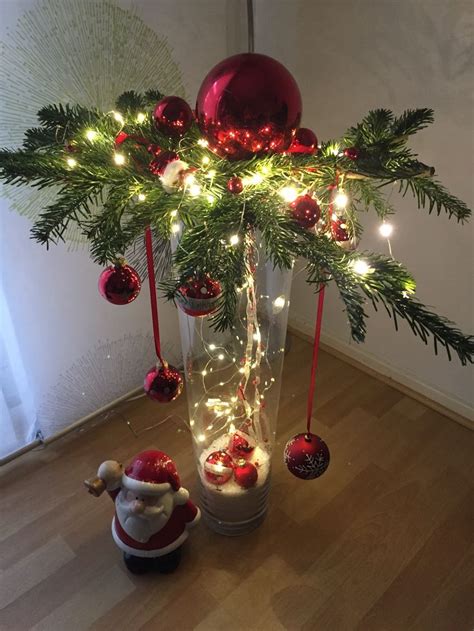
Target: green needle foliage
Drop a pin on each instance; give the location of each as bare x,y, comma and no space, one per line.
74,149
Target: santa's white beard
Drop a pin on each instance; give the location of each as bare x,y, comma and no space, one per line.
141,526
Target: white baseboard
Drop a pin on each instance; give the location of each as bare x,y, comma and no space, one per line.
399,378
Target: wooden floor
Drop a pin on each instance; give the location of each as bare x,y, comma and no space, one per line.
382,542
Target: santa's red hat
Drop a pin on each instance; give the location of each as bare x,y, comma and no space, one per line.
152,472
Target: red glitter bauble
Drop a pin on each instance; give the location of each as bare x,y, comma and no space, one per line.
218,467
352,153
245,474
163,384
173,116
199,295
161,160
119,284
340,234
306,456
248,104
239,446
235,185
306,211
305,141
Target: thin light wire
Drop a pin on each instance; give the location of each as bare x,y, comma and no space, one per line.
250,27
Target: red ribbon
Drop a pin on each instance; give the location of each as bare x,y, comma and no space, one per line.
152,284
319,321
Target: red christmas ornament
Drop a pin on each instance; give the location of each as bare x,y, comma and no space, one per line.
119,284
161,160
245,474
199,295
163,384
304,142
248,104
341,235
173,116
352,153
153,149
306,456
306,211
139,141
218,467
239,446
235,185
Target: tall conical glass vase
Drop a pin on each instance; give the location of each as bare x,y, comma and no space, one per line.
233,382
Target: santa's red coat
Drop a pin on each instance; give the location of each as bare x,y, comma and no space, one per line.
171,536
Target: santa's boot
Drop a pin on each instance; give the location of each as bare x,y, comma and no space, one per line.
138,565
168,562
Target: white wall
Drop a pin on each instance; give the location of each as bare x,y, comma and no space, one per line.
349,57
80,352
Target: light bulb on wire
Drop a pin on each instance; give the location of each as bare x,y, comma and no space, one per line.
340,200
386,230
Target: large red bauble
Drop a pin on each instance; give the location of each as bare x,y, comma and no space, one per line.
199,295
304,142
240,447
173,116
163,384
306,211
119,284
218,467
306,456
245,474
248,104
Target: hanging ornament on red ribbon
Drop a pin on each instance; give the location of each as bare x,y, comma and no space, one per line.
306,456
352,153
162,383
248,104
199,295
119,284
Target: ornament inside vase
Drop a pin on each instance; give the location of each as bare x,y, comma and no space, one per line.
199,295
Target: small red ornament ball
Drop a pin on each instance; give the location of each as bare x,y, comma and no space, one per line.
245,474
304,142
199,295
247,105
119,284
173,116
352,153
306,456
306,211
235,185
239,446
163,384
218,467
161,160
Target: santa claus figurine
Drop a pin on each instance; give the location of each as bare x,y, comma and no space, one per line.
153,511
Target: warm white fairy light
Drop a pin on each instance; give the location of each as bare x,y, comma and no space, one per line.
220,356
288,193
234,239
257,337
206,160
278,304
233,399
119,159
173,213
71,162
201,438
191,422
242,370
141,117
341,199
194,190
253,180
386,229
202,142
210,198
141,197
211,174
360,267
204,372
118,117
175,228
212,347
91,135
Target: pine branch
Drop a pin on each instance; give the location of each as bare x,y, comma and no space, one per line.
412,121
433,194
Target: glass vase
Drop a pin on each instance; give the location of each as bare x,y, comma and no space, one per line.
233,381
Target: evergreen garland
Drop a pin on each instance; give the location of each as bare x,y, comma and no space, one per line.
112,204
